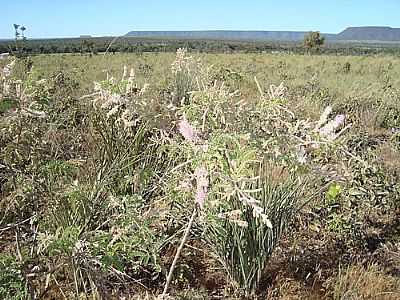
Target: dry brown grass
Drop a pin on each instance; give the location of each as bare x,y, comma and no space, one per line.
389,157
357,283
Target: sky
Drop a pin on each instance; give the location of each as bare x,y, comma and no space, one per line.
70,18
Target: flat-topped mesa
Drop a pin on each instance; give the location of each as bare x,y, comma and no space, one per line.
370,33
364,33
223,35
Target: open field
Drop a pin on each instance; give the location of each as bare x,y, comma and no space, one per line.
288,164
364,76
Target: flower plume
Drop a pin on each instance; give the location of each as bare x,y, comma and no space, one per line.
201,175
188,131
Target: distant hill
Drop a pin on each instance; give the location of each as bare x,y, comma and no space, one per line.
223,35
367,33
370,33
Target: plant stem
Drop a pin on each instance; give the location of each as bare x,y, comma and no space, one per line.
178,252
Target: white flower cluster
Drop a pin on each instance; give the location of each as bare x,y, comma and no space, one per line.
5,73
258,211
119,105
7,69
183,62
277,92
328,129
180,61
234,216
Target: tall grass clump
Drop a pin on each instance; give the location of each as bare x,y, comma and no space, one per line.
244,243
185,71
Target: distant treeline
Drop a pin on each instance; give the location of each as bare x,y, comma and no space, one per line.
140,45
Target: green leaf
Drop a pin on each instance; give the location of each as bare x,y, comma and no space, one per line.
333,192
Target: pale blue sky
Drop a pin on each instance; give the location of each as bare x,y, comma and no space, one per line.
64,18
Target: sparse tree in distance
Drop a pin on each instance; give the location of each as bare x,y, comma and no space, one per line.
19,38
16,26
313,41
23,28
87,46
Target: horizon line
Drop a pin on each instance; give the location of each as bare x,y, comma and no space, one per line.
202,30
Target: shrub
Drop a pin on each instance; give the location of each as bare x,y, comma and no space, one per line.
12,282
313,41
246,211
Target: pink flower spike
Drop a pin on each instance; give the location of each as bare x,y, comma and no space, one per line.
339,120
201,195
187,131
201,175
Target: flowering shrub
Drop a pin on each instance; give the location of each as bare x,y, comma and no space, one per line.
227,144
